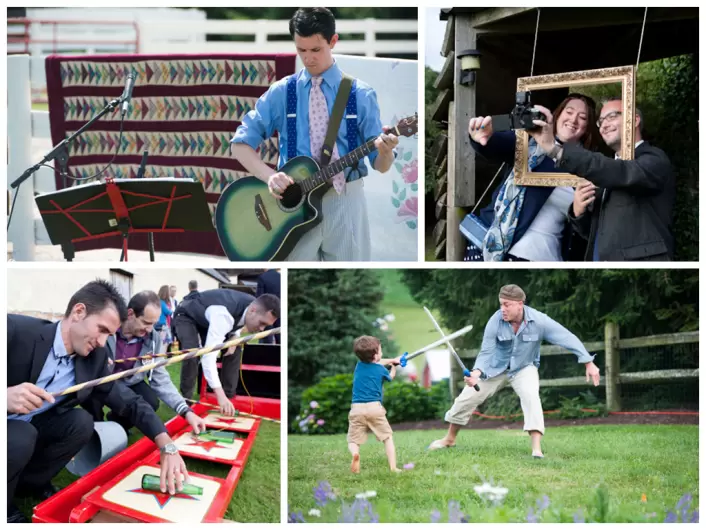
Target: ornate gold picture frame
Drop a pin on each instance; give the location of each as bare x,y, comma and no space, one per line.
625,75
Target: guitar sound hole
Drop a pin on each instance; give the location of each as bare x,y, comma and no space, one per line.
292,197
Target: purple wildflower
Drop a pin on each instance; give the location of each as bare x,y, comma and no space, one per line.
295,517
531,516
455,513
409,466
683,506
671,517
314,405
361,511
542,504
320,422
435,516
323,493
579,518
694,517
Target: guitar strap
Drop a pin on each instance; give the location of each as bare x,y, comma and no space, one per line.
334,121
351,117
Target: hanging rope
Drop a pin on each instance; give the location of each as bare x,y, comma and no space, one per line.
534,49
639,49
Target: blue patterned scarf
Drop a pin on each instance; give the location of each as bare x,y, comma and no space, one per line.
508,205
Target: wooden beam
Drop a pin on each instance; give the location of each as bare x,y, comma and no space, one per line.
440,148
441,186
440,251
488,16
440,206
447,46
439,232
567,381
510,20
660,375
445,78
660,340
612,366
443,167
544,351
440,108
461,156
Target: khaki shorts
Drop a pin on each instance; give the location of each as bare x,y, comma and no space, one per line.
365,417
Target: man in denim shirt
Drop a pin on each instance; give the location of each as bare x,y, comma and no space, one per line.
343,234
510,354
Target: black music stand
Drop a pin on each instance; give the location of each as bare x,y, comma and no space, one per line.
123,207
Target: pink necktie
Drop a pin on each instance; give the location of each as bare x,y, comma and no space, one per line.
318,124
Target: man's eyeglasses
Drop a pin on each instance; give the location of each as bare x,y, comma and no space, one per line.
611,116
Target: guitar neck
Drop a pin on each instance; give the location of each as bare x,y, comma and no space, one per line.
327,173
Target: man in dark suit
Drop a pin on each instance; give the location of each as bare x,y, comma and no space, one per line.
269,282
626,208
45,432
209,318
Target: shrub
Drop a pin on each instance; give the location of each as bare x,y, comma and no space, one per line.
325,406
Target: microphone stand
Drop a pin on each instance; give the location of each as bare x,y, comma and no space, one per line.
61,151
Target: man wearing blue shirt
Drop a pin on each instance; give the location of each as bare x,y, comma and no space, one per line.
343,234
509,354
45,432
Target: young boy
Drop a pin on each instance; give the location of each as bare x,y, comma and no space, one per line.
367,412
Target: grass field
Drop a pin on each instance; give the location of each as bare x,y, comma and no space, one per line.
659,462
257,497
411,328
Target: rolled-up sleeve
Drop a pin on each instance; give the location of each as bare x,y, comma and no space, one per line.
557,334
220,323
369,123
261,122
487,348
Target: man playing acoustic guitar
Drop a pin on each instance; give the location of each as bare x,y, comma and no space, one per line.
343,235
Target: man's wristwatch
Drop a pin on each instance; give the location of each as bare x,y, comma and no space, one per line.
169,449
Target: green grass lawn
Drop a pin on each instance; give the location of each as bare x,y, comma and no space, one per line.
412,328
257,497
658,461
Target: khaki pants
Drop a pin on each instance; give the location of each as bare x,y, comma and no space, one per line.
526,386
365,417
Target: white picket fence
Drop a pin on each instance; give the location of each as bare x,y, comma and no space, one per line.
173,31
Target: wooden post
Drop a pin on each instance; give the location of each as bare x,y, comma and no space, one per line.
612,368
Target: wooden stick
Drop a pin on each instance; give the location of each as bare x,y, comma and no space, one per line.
209,405
154,355
166,362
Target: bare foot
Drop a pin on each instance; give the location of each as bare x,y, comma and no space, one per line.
355,463
395,470
441,444
537,453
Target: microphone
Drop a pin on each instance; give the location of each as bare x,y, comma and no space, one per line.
127,93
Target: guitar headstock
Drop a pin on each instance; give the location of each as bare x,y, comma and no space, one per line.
407,126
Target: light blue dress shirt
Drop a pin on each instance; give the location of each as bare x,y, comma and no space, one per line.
57,374
503,350
270,115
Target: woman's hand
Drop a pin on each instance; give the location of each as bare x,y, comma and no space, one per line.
480,129
544,135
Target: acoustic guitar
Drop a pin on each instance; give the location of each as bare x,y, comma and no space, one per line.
252,225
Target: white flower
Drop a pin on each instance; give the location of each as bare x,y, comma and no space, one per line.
494,494
315,513
390,317
366,494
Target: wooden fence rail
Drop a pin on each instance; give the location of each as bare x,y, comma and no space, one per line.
611,376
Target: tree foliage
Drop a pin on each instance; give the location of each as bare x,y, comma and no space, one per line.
327,310
431,128
642,302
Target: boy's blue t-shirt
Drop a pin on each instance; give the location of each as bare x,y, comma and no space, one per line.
367,382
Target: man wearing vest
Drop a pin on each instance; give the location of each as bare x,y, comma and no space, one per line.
211,317
137,337
298,108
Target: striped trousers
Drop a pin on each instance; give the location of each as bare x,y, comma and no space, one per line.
343,234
